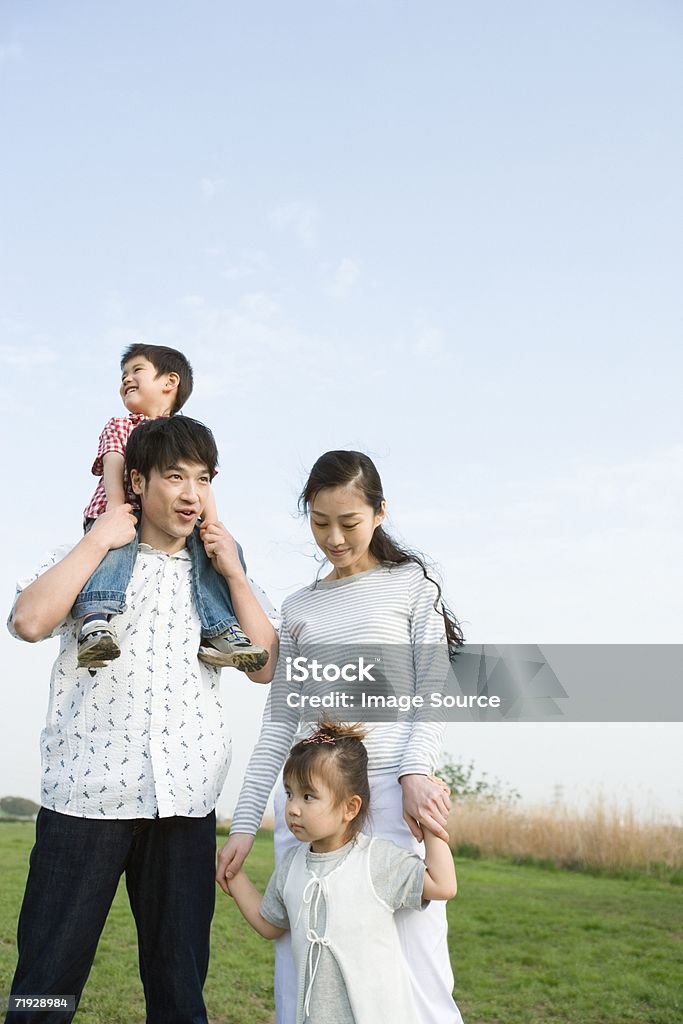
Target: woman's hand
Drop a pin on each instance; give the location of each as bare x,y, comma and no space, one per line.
426,804
231,858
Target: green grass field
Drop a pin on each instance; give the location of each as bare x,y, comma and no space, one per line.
529,946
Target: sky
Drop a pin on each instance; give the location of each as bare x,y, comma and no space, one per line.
446,234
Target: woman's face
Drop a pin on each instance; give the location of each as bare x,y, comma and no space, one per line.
343,524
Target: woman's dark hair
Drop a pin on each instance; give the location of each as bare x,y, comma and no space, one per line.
336,754
341,468
166,441
165,360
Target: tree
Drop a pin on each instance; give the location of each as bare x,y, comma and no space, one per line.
18,807
461,779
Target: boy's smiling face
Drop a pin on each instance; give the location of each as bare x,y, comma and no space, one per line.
144,391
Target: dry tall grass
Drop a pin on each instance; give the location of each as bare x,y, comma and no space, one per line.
601,837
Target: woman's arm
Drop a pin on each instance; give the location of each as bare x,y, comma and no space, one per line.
425,801
268,757
248,899
440,882
426,805
278,728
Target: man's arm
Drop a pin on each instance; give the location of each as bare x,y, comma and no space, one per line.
221,548
48,601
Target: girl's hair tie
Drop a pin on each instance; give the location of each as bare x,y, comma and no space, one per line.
320,737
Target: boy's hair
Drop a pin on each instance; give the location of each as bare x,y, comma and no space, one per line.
337,755
164,442
165,360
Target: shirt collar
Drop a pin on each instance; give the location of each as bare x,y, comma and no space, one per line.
183,554
137,417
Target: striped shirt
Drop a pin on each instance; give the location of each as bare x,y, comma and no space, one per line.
386,605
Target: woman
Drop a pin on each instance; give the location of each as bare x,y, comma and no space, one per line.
377,594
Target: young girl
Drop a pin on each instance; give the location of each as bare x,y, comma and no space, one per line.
337,892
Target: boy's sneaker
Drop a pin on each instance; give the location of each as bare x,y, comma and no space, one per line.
232,649
97,644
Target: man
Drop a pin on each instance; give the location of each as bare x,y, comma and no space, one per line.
135,754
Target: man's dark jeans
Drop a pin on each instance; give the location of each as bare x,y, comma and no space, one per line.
76,865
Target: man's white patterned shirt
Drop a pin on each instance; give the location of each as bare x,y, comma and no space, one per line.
145,735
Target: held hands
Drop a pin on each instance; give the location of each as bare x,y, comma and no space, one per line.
220,547
230,882
114,528
426,804
232,857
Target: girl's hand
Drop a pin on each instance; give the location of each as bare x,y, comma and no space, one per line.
231,881
232,857
426,805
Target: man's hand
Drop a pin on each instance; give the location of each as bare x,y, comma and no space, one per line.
426,804
41,607
232,857
114,528
221,548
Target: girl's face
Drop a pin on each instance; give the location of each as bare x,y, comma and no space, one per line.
314,816
343,524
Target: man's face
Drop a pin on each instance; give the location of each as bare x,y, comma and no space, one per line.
171,501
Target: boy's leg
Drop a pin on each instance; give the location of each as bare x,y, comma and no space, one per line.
75,867
224,644
171,885
103,595
105,591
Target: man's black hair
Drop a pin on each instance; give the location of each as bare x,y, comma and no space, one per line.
165,360
165,442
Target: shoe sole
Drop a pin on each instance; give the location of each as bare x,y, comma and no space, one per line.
103,650
242,662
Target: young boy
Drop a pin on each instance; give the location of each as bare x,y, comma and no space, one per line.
156,381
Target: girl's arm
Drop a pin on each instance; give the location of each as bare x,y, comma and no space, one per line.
440,882
248,899
112,476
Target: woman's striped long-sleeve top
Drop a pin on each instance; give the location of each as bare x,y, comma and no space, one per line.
388,608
